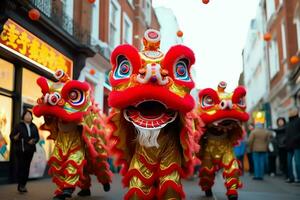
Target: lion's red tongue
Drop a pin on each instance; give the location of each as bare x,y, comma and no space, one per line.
150,115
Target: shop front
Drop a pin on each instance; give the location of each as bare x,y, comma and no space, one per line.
25,54
23,58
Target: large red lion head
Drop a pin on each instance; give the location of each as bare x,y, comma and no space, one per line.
66,99
151,88
221,108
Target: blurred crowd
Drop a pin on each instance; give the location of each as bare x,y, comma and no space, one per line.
274,151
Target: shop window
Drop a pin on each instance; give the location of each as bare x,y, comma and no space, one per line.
5,126
30,90
6,75
30,93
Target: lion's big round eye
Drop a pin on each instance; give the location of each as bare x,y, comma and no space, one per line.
207,101
181,71
76,97
123,70
242,102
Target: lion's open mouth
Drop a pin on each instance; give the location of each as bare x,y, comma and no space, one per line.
150,115
226,122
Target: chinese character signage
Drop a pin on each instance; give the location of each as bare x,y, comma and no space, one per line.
22,41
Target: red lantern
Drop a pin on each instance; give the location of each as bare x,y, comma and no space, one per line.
34,14
179,33
294,60
92,72
205,1
91,1
267,36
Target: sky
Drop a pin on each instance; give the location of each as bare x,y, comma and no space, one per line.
217,34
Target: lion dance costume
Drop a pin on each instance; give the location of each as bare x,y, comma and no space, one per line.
78,129
222,114
152,129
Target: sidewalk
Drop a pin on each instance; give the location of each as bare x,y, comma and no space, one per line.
273,188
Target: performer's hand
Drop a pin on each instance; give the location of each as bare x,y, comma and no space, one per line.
16,137
32,141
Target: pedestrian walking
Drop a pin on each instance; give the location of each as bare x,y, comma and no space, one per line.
293,145
24,137
258,144
272,154
250,128
281,140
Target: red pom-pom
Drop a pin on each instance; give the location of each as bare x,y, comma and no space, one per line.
34,14
91,1
179,33
92,72
267,36
294,60
205,1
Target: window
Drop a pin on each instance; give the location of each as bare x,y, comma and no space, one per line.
43,5
147,12
6,75
273,58
297,22
131,3
114,23
95,22
5,126
30,90
127,29
30,93
270,8
68,8
283,38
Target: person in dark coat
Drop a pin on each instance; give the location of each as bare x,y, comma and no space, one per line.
272,154
280,140
24,137
293,145
249,153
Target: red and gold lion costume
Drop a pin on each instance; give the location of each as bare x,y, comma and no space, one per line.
79,132
222,114
153,132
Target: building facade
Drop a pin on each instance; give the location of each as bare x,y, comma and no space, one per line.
114,22
280,23
255,69
270,76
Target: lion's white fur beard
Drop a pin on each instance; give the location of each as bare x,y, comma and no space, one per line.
147,137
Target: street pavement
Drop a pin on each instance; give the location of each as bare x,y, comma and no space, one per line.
273,188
